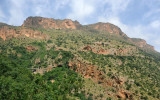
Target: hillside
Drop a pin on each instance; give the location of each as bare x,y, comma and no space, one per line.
47,58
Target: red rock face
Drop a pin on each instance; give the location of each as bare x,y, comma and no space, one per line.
88,48
6,33
108,28
88,71
32,34
68,24
31,48
142,43
48,23
39,22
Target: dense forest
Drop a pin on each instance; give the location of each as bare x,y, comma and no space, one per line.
17,82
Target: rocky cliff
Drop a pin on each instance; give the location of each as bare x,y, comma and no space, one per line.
49,23
141,43
108,27
7,32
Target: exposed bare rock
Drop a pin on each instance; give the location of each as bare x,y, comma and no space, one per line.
88,48
141,43
90,71
7,32
120,80
102,51
49,23
52,81
108,27
111,51
39,22
31,48
124,95
68,24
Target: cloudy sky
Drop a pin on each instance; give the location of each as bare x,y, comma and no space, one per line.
137,18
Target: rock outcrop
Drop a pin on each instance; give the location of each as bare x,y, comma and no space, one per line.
49,23
111,51
7,32
108,27
122,94
31,48
89,71
141,43
88,48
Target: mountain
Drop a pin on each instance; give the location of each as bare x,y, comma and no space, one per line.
47,58
49,23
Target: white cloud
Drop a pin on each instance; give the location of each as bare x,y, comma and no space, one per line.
16,17
155,24
157,42
40,7
60,4
16,12
20,9
117,5
81,9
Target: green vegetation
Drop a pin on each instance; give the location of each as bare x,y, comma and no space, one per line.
17,82
139,69
144,72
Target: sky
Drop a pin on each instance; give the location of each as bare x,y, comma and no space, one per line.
136,18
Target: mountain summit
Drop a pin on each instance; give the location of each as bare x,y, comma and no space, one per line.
49,23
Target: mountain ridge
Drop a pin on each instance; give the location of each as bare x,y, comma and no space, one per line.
50,23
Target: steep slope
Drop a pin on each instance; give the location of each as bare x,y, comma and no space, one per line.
112,29
111,65
142,44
